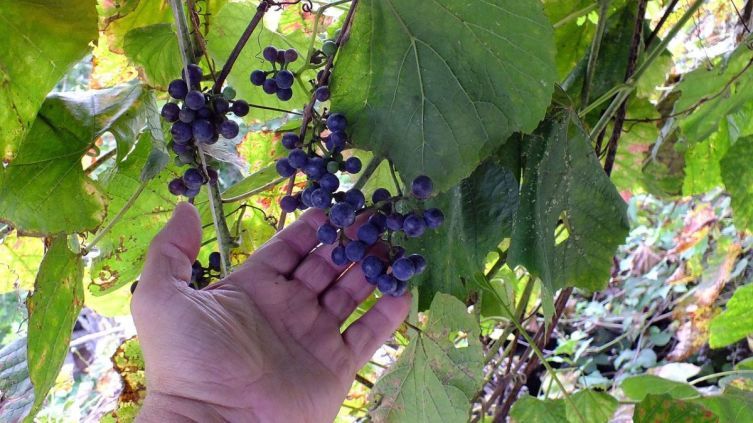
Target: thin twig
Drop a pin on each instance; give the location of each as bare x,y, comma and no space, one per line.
667,13
619,120
228,66
363,381
594,53
131,200
100,161
254,191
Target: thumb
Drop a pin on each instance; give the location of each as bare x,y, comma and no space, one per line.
173,250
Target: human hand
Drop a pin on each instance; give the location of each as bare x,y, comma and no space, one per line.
263,344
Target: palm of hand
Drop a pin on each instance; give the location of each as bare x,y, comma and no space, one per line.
264,344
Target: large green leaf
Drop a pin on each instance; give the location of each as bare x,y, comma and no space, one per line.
733,406
155,48
229,24
574,30
736,321
664,409
703,161
45,190
714,93
53,308
41,41
19,262
638,387
437,86
563,181
590,407
737,175
125,16
479,215
434,379
122,250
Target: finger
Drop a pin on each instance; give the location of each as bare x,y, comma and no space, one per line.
170,255
317,270
370,331
344,296
284,252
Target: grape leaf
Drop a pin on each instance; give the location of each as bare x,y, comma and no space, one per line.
592,407
712,94
438,104
574,32
44,190
53,309
15,385
228,26
433,380
155,48
703,162
735,322
478,215
733,406
19,262
662,408
123,249
638,387
738,179
563,180
41,41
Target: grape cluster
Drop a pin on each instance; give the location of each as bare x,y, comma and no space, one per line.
392,217
276,81
198,117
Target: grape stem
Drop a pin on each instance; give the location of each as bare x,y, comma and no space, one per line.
215,200
308,111
394,178
369,170
254,191
228,66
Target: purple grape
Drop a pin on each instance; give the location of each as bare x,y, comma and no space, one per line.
240,108
400,289
338,256
177,89
336,122
379,195
336,140
194,74
395,222
221,105
386,284
269,86
414,226
353,165
195,100
270,53
192,192
403,269
322,93
214,261
229,129
186,115
258,77
290,140
306,196
419,262
329,182
321,198
204,113
291,55
380,221
315,168
193,178
288,204
368,233
170,111
422,187
355,250
355,198
284,168
203,130
182,148
284,94
433,218
212,174
372,267
281,57
284,79
298,158
342,215
177,187
181,132
327,234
